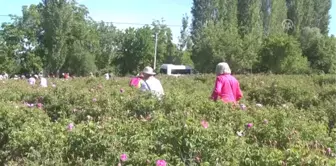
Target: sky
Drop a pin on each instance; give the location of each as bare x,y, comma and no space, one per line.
127,13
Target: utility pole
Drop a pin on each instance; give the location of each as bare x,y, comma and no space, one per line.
155,51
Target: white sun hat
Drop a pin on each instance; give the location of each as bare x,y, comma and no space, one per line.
148,70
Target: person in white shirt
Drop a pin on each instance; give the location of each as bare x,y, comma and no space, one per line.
107,76
5,76
44,82
32,81
150,83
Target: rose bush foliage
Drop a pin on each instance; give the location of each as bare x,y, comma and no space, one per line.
288,120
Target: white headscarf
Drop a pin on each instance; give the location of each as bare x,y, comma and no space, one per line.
223,68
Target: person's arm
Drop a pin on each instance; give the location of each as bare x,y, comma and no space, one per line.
217,89
160,88
143,86
239,93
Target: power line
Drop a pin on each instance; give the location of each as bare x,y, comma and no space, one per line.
120,23
133,23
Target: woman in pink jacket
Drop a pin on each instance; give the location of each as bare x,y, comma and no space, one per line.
227,86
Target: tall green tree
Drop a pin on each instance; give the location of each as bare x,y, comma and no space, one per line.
185,44
278,13
250,27
316,14
82,43
166,49
295,13
185,38
319,49
21,37
57,18
215,34
321,15
109,37
136,51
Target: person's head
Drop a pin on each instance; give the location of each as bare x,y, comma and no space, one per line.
148,72
223,68
140,75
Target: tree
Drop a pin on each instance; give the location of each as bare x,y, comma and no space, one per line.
108,45
251,32
166,49
185,39
214,33
295,10
316,14
281,54
185,44
319,49
278,13
7,63
21,38
137,50
57,17
82,43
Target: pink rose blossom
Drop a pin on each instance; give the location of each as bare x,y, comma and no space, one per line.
205,124
249,125
70,126
39,105
329,150
123,157
161,163
198,159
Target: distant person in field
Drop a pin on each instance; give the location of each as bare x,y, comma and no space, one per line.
107,76
136,81
32,80
65,75
227,86
150,83
91,74
5,76
43,82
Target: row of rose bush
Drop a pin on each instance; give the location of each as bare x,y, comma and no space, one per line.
288,120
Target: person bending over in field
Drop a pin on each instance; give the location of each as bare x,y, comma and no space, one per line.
227,86
136,81
32,80
150,83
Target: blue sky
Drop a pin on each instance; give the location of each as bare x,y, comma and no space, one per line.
133,11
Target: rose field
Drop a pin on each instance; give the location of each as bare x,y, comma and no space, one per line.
288,120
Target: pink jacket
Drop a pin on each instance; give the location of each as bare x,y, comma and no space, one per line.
227,89
135,81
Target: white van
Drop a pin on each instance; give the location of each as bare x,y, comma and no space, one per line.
176,70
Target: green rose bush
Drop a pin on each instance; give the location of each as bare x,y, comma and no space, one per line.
282,120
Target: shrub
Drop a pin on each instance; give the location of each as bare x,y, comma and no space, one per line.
89,121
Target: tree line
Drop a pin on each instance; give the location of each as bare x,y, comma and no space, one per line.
278,36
